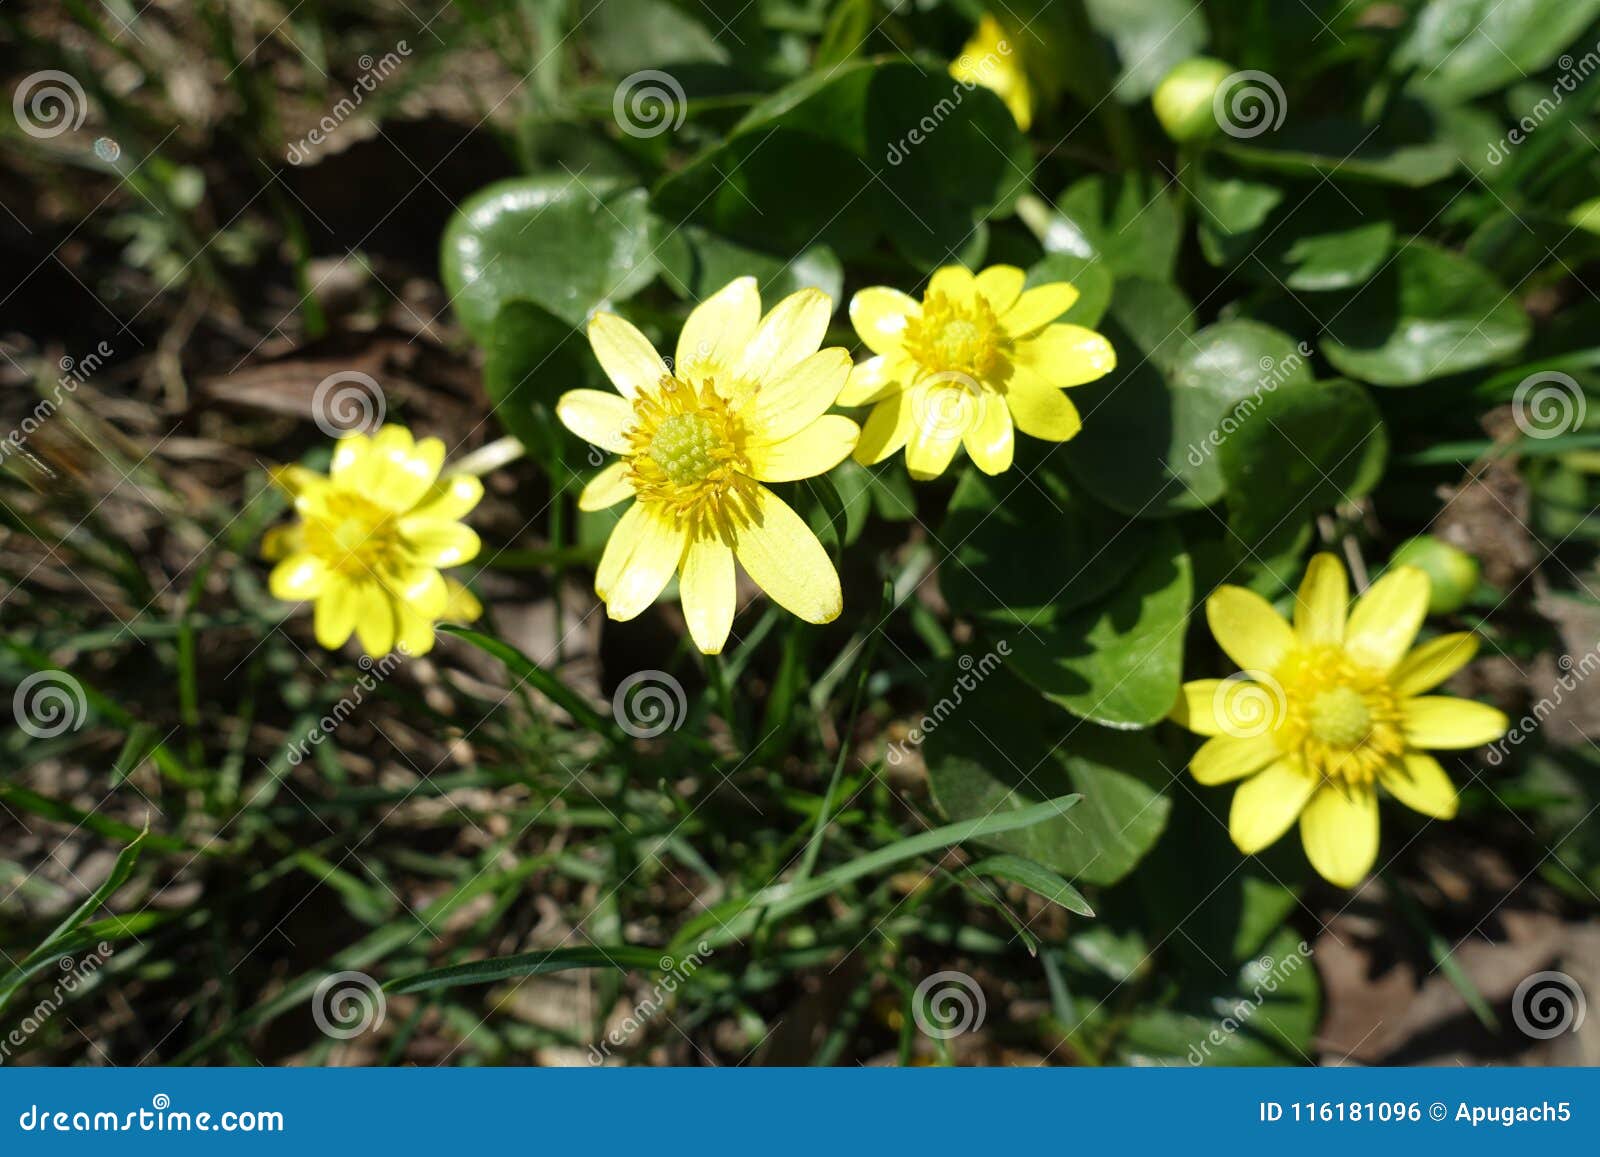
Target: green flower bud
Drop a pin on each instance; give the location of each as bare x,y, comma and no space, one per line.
1586,216
1183,99
1454,573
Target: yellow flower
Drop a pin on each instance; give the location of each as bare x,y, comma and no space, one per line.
744,403
974,358
991,59
372,537
1328,710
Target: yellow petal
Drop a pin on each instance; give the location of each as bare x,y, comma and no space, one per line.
1248,629
1385,619
1267,803
597,417
439,544
298,577
414,633
717,330
1438,721
1000,286
989,441
1236,706
930,452
1226,758
1038,307
796,398
874,379
402,472
707,590
422,592
1041,411
778,551
337,607
814,450
293,479
461,605
885,430
606,488
791,332
1432,663
640,558
1340,831
375,626
1324,597
954,282
1422,785
625,354
1065,355
880,315
450,498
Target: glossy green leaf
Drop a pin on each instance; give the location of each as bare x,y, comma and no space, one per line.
619,956
1132,222
1005,748
1429,314
567,245
1460,49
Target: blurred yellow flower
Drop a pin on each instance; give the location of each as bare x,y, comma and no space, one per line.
1329,709
371,538
991,59
745,402
975,358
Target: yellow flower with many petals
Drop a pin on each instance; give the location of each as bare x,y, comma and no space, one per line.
974,360
745,403
371,538
1328,710
990,58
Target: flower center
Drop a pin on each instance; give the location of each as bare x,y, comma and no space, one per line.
686,454
1340,718
1343,719
686,447
960,337
354,535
